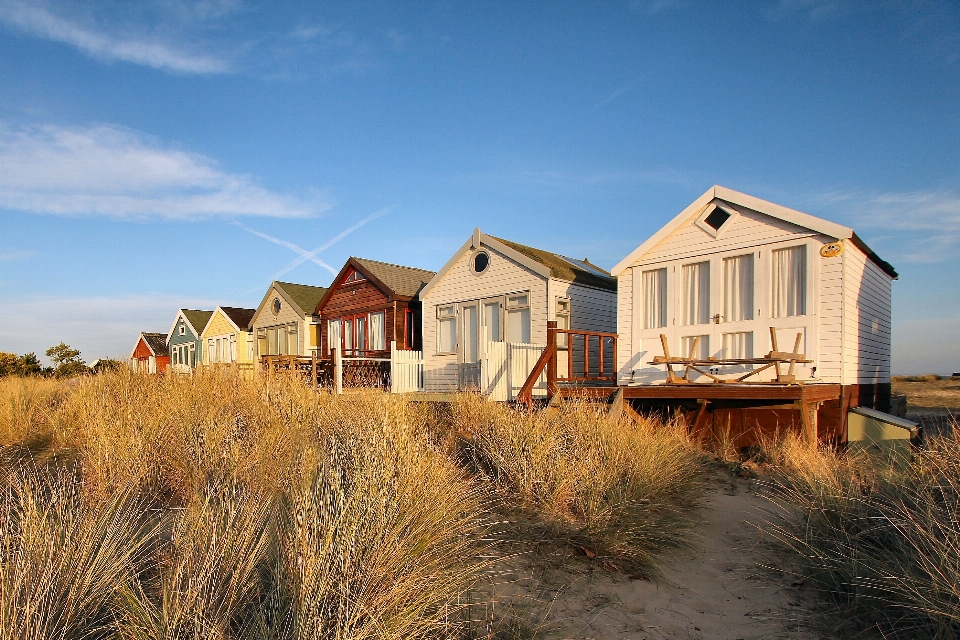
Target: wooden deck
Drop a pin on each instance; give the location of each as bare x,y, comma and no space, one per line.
816,392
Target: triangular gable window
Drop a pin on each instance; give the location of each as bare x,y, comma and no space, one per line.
353,277
715,218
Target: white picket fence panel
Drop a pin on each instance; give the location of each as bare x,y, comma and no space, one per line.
494,372
521,358
406,370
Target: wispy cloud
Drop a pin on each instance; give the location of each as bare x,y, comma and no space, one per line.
142,49
99,326
10,256
112,171
927,222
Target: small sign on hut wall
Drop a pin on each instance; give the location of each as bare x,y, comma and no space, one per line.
831,250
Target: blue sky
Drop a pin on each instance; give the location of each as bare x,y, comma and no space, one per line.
159,154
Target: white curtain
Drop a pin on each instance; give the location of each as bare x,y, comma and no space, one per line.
377,335
654,299
738,345
789,282
738,288
471,327
696,293
333,335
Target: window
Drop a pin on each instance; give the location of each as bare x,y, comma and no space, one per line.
183,329
333,335
250,350
233,348
378,336
410,328
789,295
360,333
702,347
738,288
353,277
738,345
447,329
563,321
481,260
276,306
714,218
211,351
471,332
293,340
491,321
518,318
655,299
192,358
696,293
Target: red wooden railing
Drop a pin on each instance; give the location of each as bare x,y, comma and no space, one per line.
548,361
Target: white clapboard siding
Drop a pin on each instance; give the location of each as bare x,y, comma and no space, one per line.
591,309
748,229
830,351
521,358
495,372
406,370
866,323
625,325
461,284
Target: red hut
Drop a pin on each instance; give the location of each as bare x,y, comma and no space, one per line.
151,354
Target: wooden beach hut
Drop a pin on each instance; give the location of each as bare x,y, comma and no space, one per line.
286,322
150,354
183,339
227,338
732,284
494,293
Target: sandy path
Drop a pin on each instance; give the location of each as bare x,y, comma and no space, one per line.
713,590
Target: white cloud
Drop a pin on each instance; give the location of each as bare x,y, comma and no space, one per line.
32,18
100,327
927,222
10,256
111,171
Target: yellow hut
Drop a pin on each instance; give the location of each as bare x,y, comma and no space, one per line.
227,338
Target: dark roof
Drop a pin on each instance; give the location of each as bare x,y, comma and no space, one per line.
403,281
303,295
198,319
157,343
240,317
563,268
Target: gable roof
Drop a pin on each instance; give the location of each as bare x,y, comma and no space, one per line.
156,342
196,319
302,297
716,192
397,281
544,263
564,268
239,317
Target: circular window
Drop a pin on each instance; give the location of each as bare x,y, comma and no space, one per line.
480,262
276,305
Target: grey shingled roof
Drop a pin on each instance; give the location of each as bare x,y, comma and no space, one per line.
197,318
157,342
303,295
563,268
403,281
240,317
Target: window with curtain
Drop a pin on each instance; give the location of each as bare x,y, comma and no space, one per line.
655,298
333,335
446,329
378,336
347,328
491,321
293,341
211,352
703,347
696,293
738,345
738,288
789,295
232,356
360,326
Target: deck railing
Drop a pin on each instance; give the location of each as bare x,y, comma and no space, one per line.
590,359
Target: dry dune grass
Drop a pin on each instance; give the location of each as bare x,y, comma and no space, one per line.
881,537
218,507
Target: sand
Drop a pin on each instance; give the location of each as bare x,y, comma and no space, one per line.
717,588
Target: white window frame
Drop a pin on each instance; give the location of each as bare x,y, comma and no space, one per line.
702,219
447,313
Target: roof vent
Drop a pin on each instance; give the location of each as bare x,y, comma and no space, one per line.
717,218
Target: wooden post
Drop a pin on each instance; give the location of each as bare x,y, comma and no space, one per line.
337,371
773,343
313,369
808,417
393,366
796,349
666,354
552,364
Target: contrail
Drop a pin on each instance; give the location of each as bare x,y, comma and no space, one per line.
289,245
343,234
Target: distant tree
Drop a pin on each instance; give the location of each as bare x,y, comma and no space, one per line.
66,361
13,365
108,364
